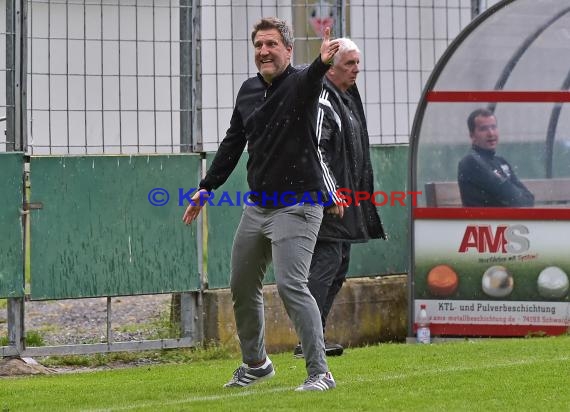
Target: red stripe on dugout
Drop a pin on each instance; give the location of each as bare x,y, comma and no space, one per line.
437,329
490,213
499,96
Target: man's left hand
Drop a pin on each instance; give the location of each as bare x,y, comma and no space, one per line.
337,210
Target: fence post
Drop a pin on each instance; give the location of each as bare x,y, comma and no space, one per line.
190,89
16,336
198,141
191,313
340,24
191,316
16,58
477,7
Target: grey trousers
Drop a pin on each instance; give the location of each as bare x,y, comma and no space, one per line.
286,236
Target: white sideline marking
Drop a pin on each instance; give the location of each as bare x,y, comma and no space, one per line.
240,393
236,393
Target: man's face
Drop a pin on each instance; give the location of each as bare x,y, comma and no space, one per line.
343,74
271,55
486,133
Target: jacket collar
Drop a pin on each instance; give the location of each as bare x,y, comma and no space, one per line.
483,152
288,70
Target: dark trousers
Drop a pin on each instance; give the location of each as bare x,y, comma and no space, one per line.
329,267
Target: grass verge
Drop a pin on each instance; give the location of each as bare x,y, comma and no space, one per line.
493,374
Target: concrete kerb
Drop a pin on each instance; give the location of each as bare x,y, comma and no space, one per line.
366,311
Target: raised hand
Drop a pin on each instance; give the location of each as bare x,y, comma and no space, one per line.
328,47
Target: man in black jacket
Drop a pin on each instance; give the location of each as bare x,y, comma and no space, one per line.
485,179
275,115
344,144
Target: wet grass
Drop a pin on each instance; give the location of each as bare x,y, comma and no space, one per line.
493,374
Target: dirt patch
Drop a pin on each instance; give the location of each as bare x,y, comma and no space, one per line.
84,321
76,321
22,366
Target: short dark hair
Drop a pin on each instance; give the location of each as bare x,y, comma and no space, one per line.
268,23
476,113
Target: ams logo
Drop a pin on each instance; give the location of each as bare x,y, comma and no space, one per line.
505,239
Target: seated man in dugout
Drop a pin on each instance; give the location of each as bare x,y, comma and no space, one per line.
485,179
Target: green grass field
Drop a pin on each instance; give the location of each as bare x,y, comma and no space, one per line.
494,374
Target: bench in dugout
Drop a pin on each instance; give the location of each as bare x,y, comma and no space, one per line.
547,193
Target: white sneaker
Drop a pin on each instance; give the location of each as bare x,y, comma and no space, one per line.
320,382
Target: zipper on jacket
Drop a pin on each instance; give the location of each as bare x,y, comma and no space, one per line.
266,90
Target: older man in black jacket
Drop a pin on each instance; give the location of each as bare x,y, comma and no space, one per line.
344,145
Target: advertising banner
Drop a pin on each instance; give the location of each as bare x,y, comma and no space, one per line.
493,272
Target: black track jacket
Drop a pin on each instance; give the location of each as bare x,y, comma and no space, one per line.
278,123
487,180
346,151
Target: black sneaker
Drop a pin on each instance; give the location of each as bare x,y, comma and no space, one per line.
321,382
298,351
331,349
246,376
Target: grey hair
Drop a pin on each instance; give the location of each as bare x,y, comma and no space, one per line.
345,45
268,23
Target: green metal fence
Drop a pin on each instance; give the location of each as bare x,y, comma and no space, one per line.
11,238
377,257
384,257
222,224
97,233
